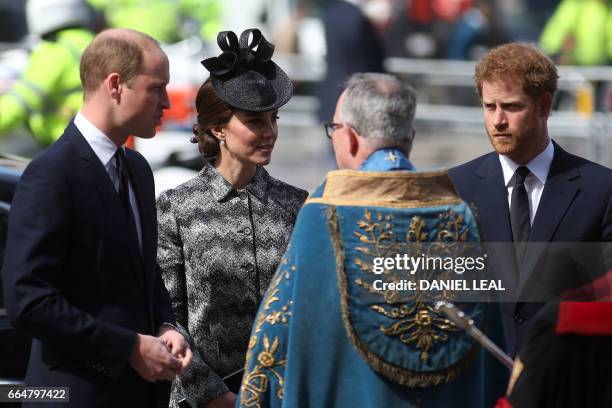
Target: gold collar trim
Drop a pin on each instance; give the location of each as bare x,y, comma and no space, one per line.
396,189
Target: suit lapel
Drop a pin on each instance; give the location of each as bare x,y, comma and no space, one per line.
492,201
494,217
559,192
100,178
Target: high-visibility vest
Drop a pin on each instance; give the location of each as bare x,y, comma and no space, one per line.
158,18
49,92
207,13
588,23
162,19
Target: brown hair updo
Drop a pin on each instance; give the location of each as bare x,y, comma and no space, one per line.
212,111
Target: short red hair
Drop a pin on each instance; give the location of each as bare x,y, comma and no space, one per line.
518,62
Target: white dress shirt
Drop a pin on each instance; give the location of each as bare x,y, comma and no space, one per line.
535,181
105,150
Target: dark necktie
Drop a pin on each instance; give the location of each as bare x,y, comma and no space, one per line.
122,172
519,213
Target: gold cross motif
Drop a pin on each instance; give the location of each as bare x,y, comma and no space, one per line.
392,157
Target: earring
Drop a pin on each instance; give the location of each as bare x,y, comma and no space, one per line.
222,142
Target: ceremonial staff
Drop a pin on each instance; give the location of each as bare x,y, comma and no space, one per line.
464,322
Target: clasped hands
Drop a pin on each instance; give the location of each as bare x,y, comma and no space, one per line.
161,358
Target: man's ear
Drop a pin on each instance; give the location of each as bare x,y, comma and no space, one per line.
545,104
353,140
114,86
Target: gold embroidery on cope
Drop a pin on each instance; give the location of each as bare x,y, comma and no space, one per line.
268,364
416,323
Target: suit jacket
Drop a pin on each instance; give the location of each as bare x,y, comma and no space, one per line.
575,206
352,46
75,278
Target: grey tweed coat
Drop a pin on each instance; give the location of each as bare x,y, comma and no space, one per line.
218,250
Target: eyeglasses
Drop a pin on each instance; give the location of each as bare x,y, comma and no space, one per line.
330,127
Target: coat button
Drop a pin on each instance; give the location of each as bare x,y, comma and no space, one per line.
248,267
243,195
518,318
247,230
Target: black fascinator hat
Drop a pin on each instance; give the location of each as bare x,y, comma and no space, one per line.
244,76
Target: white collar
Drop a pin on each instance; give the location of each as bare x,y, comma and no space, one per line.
539,166
101,144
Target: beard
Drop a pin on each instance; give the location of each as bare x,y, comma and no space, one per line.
521,147
504,143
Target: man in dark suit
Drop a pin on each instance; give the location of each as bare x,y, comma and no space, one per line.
80,271
352,46
530,190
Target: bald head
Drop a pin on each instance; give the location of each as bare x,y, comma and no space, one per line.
117,50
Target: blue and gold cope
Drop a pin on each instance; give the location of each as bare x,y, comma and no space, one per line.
325,337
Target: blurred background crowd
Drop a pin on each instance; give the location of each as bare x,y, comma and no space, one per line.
432,43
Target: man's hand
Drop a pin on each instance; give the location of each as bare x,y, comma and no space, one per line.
225,400
152,360
178,346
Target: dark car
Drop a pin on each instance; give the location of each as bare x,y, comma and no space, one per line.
14,345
